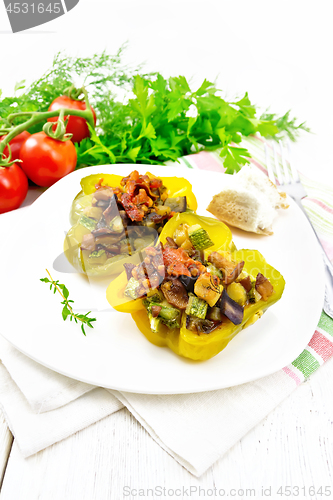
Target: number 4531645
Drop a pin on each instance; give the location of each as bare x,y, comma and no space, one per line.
33,8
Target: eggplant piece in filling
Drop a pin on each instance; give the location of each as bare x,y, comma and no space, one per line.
180,288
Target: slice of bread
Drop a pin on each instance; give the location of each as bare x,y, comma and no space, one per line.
248,200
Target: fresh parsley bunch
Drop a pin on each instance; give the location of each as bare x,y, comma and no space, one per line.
158,120
166,119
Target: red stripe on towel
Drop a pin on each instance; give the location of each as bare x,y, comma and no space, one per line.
321,345
321,204
292,375
207,161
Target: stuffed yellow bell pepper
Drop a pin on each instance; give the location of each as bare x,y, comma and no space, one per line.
175,228
176,187
194,292
115,217
201,340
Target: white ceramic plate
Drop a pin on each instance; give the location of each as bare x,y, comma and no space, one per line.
115,354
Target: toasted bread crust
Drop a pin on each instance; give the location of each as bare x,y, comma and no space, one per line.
235,214
248,200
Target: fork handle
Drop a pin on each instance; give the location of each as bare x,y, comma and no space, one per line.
327,261
328,300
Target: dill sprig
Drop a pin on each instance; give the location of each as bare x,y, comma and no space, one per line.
102,74
286,125
68,309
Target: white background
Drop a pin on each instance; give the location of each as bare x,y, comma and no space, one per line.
280,52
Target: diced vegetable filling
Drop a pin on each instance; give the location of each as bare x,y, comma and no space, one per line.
199,237
263,286
125,219
230,269
196,307
180,287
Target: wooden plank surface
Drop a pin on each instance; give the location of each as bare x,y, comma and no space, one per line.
291,447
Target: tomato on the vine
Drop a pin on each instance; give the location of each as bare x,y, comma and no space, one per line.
46,160
15,145
76,125
13,187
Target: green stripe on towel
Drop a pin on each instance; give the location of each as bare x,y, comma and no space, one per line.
306,363
326,323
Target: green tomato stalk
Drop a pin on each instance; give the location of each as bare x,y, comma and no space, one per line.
59,133
36,117
73,93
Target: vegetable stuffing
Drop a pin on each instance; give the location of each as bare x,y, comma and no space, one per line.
205,297
114,218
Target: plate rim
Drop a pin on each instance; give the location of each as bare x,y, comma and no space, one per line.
181,173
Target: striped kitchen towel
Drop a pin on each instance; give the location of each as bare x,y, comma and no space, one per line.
319,207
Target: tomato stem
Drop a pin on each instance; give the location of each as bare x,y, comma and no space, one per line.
12,117
60,131
73,93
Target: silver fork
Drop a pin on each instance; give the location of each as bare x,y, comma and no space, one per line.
289,182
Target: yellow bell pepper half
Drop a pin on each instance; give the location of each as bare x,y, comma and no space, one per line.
219,233
204,346
176,186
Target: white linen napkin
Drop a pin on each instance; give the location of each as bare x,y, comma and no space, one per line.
195,429
35,431
198,429
44,389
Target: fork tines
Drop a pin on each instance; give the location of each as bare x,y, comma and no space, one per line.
284,171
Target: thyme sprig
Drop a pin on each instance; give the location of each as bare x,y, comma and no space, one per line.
67,310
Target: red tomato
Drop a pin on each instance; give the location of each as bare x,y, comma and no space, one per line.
76,125
13,187
16,144
47,160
